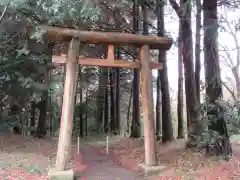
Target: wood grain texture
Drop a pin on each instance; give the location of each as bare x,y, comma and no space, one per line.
65,135
147,104
105,62
93,37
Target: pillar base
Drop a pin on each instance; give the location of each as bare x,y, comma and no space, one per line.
150,170
61,175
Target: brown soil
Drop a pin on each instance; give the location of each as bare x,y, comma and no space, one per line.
179,163
27,158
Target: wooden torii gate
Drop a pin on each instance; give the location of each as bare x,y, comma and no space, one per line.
145,43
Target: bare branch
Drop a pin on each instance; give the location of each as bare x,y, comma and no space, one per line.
230,91
233,34
4,11
179,10
228,58
3,42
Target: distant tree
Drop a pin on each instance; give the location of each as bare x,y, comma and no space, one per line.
180,86
135,128
217,122
198,47
167,129
193,107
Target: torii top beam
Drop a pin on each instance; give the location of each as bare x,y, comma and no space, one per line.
93,37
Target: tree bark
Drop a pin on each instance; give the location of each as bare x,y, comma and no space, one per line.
33,104
213,80
81,125
129,109
41,131
158,108
113,102
106,108
101,95
51,115
136,125
86,114
197,48
211,57
117,100
180,87
167,130
80,93
190,83
43,104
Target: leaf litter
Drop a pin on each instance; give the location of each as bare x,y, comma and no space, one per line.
30,159
27,158
179,162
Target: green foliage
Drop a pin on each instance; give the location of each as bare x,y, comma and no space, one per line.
13,3
56,11
24,57
235,137
226,110
90,108
232,116
34,170
21,68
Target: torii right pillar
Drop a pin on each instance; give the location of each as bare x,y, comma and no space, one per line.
147,104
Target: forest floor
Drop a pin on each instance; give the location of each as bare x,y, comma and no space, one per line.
178,162
31,159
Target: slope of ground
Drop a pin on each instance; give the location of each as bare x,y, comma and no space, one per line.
30,158
179,163
102,167
27,157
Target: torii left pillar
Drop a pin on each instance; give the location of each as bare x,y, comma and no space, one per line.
65,136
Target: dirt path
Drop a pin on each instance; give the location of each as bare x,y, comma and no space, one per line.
30,159
180,164
102,167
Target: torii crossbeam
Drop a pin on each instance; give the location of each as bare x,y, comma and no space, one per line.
145,43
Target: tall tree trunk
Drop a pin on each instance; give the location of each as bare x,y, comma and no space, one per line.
33,104
50,104
106,108
81,119
80,93
117,100
197,48
211,57
180,87
167,129
101,94
190,84
113,102
158,108
188,118
159,94
50,115
86,114
136,129
41,131
43,105
129,108
213,79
